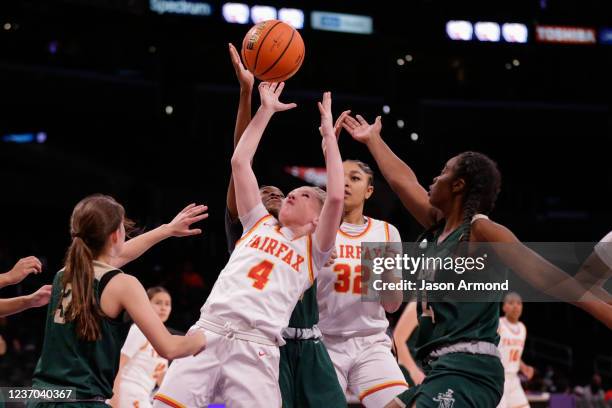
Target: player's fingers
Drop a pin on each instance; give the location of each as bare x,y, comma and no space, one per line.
279,88
187,208
361,120
192,220
195,231
351,121
197,210
287,106
341,117
347,127
320,107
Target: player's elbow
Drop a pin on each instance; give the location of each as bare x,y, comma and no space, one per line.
237,161
170,350
335,199
391,306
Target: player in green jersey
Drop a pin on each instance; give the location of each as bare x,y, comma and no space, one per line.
84,329
457,341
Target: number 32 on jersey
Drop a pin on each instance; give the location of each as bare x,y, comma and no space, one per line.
347,278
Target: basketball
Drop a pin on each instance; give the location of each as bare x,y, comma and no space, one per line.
273,51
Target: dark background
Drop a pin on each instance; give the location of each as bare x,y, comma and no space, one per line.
101,97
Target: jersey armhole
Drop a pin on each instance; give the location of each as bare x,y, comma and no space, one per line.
103,282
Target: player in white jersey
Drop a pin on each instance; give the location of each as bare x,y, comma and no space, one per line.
141,368
268,271
512,335
354,330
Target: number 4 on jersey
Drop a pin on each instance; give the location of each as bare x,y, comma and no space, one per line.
260,274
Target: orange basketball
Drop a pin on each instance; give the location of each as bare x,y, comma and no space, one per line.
273,51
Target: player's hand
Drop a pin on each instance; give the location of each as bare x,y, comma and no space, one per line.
40,297
325,109
180,225
339,121
417,376
23,268
332,258
337,127
159,372
245,77
529,371
197,340
269,94
360,129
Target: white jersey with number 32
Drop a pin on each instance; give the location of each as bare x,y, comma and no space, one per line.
264,277
341,309
511,344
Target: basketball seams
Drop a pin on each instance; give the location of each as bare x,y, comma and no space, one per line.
290,74
261,42
281,55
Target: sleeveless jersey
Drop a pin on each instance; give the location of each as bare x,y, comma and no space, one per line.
306,311
342,311
66,361
453,321
511,344
144,361
265,276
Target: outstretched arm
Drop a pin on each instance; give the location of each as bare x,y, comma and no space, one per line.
243,117
331,213
597,269
17,304
245,182
398,174
538,272
178,227
125,292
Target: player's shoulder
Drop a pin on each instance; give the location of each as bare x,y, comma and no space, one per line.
377,224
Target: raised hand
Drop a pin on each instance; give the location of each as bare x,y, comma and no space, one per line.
327,127
23,268
245,77
269,94
339,121
360,129
40,297
180,225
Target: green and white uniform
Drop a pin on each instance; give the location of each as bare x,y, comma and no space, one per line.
66,361
457,347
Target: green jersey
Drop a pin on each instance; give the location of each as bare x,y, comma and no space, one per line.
453,321
306,311
89,367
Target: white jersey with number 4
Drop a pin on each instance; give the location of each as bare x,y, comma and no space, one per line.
511,344
265,276
341,309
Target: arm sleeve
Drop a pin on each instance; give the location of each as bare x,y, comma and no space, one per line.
135,339
319,258
603,249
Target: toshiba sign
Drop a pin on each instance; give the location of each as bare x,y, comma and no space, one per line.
566,35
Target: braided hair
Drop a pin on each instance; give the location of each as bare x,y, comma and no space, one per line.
482,184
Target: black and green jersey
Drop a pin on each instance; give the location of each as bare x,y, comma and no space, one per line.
306,311
89,367
453,321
